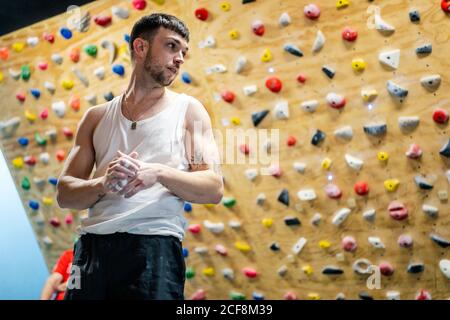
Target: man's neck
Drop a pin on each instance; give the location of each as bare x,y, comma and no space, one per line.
142,91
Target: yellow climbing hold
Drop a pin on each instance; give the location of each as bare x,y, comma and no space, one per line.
30,116
267,222
209,205
242,246
160,2
369,95
358,64
326,163
308,270
124,53
324,244
67,84
342,4
18,46
47,201
383,156
225,6
391,184
1,76
208,272
266,56
233,34
235,120
18,163
313,296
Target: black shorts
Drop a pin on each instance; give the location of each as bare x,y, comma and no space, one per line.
127,266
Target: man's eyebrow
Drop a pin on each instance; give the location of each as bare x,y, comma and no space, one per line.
177,41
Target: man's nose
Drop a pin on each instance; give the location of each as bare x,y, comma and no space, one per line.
179,60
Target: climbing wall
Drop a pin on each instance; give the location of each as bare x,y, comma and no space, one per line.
357,93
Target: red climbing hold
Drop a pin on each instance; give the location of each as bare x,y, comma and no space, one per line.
228,96
67,132
60,155
349,34
445,5
274,84
102,20
30,160
258,28
20,96
4,53
201,14
361,188
301,78
386,269
250,272
291,141
349,244
55,222
275,171
398,210
195,228
43,114
139,4
69,218
440,116
75,103
290,296
49,37
43,65
244,148
74,55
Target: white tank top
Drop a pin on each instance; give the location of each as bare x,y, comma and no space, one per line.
158,139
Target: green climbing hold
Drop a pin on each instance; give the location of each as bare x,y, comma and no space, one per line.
91,50
26,184
229,202
237,295
190,273
25,72
40,140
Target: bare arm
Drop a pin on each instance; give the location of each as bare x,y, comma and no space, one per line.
51,285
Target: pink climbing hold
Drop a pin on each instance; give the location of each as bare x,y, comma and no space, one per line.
397,210
199,295
423,295
312,11
67,132
250,272
43,114
414,151
20,96
349,244
244,148
43,65
333,191
50,37
195,228
386,269
275,171
220,249
290,296
139,4
68,219
30,160
405,241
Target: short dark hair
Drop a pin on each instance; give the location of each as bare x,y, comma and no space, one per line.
147,26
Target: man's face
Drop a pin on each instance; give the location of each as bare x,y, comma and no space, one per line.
165,56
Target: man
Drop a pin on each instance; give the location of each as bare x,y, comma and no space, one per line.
153,149
55,286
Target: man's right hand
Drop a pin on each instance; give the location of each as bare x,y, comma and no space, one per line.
119,172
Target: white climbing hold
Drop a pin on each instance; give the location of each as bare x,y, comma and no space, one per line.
354,162
298,246
81,76
396,90
281,110
120,12
260,199
52,134
9,127
390,58
32,41
100,73
57,58
316,218
250,90
431,82
448,175
335,100
14,74
112,50
209,42
444,265
306,194
228,273
408,122
92,99
214,227
318,42
369,215
284,19
382,25
430,210
340,216
50,87
376,242
201,250
310,105
47,241
282,271
59,108
251,174
241,62
217,68
345,132
393,295
362,266
234,224
44,157
300,167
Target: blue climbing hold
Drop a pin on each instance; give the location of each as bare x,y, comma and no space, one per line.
53,180
36,93
186,78
23,141
65,33
34,204
257,296
126,37
118,69
185,252
187,207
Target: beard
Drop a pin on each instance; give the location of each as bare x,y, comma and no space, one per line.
157,72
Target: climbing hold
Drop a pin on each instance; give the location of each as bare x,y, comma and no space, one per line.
34,205
354,162
312,11
1,76
445,6
324,244
345,133
241,62
108,96
440,116
187,207
298,246
91,50
274,246
32,41
209,42
415,268
266,55
234,34
333,191
443,243
214,227
445,150
369,95
30,116
390,58
274,84
430,210
284,19
340,216
190,273
405,241
65,33
332,270
57,58
25,183
237,295
293,49
250,90
299,167
422,183
14,74
306,195
424,49
242,246
391,185
408,123
25,72
386,269
349,244
335,101
199,294
431,82
60,155
383,156
235,120
67,84
47,201
444,265
209,272
23,141
195,228
218,68
301,78
326,163
396,90
349,34
4,53
382,26
228,96
376,242
139,4
118,69
250,272
229,202
201,14
342,4
423,295
361,188
397,210
310,105
414,151
362,266
329,72
120,12
244,148
100,73
225,6
74,54
283,197
292,221
53,181
50,87
20,96
414,15
257,296
358,65
260,199
251,174
35,92
318,42
18,162
282,271
318,137
18,46
186,78
258,116
369,215
377,129
258,27
112,49
267,222
281,110
102,20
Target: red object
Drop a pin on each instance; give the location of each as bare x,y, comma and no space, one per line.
102,20
274,84
440,116
67,132
4,53
199,295
195,228
68,219
312,11
275,171
258,29
397,210
301,78
43,65
244,148
20,96
63,268
361,188
49,37
228,96
386,269
250,272
43,114
139,4
290,296
201,14
445,5
55,222
75,103
30,160
349,244
60,155
75,55
349,34
291,141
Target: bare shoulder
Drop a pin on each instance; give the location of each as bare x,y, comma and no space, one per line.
196,111
92,116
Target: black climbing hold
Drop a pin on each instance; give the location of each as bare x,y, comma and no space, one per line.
318,137
445,150
416,268
414,16
328,71
422,183
284,197
293,50
375,130
275,246
426,49
365,296
108,96
441,242
292,221
258,116
247,1
330,270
